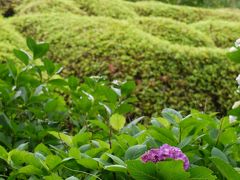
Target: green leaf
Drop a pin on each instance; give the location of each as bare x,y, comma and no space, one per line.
167,170
135,152
31,43
3,153
142,171
30,170
172,116
49,66
40,50
225,169
117,121
53,177
219,154
22,55
116,159
128,87
202,173
234,56
62,137
12,68
53,161
116,168
58,82
73,82
163,135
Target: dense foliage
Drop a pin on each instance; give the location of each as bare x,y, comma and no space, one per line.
160,46
58,128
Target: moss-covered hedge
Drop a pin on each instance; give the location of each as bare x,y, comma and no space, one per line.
48,6
171,30
9,39
223,33
167,75
183,13
110,8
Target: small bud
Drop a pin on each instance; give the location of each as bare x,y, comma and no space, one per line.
232,49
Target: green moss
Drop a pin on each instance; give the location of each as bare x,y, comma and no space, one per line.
183,13
173,31
223,33
110,8
167,75
48,6
9,39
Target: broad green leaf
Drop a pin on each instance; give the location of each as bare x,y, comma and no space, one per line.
3,153
169,170
100,124
58,82
117,121
116,168
219,154
31,43
225,169
22,55
23,146
172,116
229,136
62,137
30,170
73,82
53,177
135,152
53,161
202,173
128,87
234,56
12,68
72,178
40,49
142,171
81,138
163,135
116,159
43,149
49,66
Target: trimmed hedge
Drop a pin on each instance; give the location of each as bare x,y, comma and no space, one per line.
171,30
48,6
110,8
167,75
183,13
9,39
223,33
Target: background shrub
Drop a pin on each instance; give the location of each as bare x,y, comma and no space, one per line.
171,30
167,75
223,33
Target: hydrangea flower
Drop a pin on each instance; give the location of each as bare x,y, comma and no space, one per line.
165,152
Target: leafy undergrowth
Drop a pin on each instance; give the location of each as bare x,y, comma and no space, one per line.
60,128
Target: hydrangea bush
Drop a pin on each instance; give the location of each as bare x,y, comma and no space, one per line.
55,127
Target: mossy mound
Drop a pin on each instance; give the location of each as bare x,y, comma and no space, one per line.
48,6
183,13
9,39
223,33
167,75
110,8
173,31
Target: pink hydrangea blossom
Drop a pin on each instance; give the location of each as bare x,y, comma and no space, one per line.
165,152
